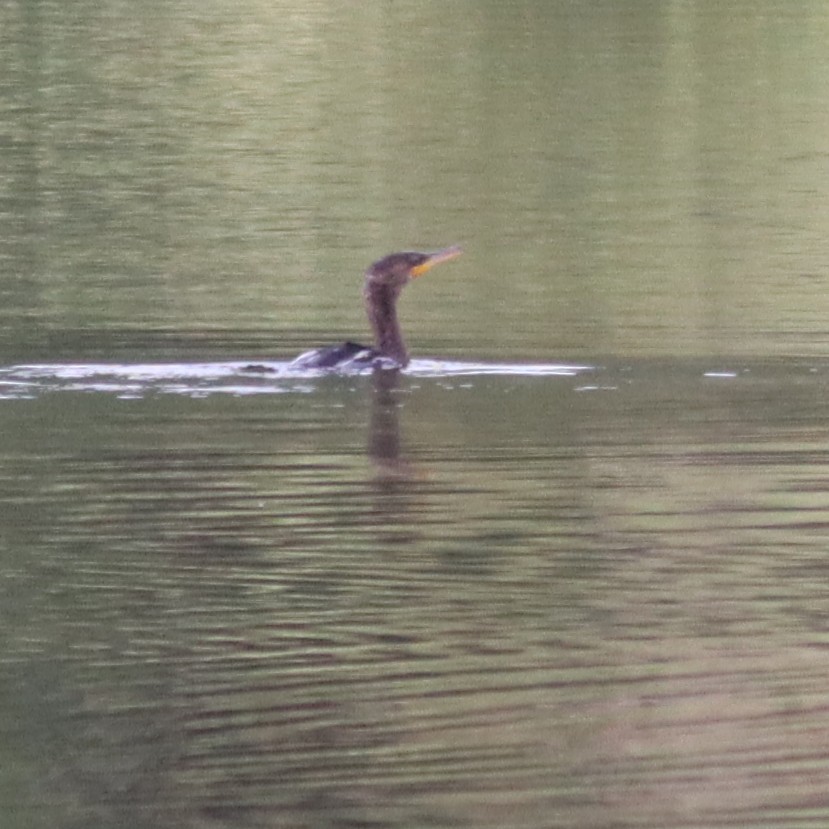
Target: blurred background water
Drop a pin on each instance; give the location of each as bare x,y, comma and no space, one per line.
520,597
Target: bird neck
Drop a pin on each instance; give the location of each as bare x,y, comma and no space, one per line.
381,307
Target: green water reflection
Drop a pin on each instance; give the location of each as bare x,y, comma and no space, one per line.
598,605
594,600
627,178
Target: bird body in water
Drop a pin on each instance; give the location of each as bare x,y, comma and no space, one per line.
384,281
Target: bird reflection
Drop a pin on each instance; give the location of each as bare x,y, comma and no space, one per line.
384,426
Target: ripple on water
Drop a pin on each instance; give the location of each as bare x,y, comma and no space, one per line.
234,378
513,606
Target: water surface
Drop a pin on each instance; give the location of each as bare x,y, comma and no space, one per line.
593,597
566,570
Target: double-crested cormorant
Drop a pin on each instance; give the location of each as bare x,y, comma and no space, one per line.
385,279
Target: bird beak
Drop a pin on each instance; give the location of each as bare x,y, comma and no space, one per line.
436,258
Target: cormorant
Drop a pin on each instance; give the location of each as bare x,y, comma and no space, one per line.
384,281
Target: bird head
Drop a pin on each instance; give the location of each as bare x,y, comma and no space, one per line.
396,269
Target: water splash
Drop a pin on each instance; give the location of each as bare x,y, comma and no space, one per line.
135,380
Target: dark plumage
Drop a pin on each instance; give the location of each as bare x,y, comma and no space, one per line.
384,281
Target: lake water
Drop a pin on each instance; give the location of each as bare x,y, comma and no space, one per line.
566,570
